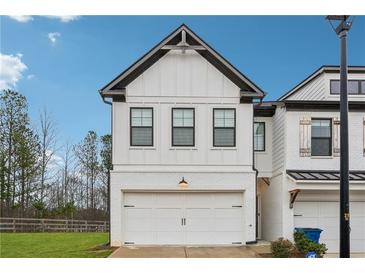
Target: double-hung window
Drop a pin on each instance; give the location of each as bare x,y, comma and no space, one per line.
321,137
183,127
224,127
259,136
141,127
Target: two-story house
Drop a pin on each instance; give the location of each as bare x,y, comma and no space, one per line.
297,155
198,161
182,133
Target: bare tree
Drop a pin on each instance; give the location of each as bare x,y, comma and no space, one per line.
48,148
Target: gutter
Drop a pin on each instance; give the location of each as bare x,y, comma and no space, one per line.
111,132
256,174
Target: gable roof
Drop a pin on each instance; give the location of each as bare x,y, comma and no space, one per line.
317,73
118,84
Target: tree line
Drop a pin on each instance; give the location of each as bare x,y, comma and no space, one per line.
43,178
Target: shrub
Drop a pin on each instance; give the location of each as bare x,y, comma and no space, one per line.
282,248
305,245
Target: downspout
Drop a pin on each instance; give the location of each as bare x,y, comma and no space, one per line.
254,167
111,132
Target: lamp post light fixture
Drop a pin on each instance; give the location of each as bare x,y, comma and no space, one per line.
345,23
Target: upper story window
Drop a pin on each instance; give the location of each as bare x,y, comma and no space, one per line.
259,136
141,127
353,87
224,127
321,137
183,127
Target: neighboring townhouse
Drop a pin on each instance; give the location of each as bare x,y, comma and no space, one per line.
182,127
297,144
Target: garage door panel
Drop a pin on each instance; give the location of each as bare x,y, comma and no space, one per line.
229,225
357,245
307,209
203,213
134,224
229,238
356,224
138,213
228,213
197,224
306,222
156,218
168,238
139,237
169,200
325,215
357,209
328,209
224,200
139,199
199,200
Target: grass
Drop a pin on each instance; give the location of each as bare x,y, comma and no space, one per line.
53,245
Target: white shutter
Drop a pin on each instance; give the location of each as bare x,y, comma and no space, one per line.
363,136
336,137
305,137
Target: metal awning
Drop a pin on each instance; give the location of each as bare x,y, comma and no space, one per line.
324,175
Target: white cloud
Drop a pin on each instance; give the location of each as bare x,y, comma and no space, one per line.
64,18
30,76
53,36
11,70
21,18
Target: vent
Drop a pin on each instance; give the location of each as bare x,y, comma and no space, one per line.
128,243
236,206
236,243
128,205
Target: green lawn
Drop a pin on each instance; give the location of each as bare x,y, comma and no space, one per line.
53,245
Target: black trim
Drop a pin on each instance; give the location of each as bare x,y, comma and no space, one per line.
322,138
260,150
321,105
360,91
172,127
264,111
130,127
212,56
234,128
251,242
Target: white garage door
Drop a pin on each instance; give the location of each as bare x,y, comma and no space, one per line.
183,218
325,215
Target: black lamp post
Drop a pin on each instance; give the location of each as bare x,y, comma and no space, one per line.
341,30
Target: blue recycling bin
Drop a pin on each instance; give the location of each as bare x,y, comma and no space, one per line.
312,234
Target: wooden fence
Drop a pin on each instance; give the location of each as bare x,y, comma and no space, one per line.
51,225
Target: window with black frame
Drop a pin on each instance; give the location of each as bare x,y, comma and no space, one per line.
224,124
321,142
354,87
259,136
183,127
141,127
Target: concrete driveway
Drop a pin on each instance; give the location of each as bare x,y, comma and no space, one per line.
184,252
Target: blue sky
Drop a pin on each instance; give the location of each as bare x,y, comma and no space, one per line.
64,75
